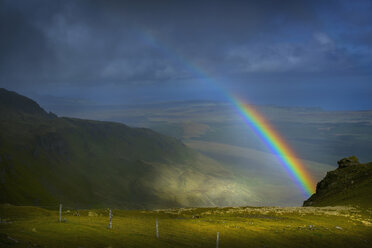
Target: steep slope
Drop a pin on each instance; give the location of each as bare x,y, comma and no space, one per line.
45,159
349,184
13,103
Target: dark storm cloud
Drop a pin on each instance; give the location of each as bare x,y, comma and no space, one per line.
86,43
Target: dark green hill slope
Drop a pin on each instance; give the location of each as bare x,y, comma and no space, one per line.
349,184
11,102
45,159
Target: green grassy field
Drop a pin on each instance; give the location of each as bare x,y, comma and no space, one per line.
194,227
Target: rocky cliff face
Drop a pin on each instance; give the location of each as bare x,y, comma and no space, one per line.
349,184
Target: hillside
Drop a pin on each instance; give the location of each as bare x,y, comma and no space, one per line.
349,184
45,159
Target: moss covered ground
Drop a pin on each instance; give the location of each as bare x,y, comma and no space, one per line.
194,227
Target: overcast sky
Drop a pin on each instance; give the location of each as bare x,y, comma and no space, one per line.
294,53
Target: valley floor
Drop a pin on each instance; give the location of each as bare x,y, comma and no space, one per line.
194,227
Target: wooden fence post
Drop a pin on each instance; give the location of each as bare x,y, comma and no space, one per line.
157,228
218,237
110,224
60,212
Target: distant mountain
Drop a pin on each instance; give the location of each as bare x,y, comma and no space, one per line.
349,184
45,159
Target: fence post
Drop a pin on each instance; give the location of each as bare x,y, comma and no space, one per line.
157,228
218,237
60,212
110,224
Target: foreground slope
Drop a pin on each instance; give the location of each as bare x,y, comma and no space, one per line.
192,227
349,184
45,159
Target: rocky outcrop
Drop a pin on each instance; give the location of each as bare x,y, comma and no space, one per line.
348,184
350,161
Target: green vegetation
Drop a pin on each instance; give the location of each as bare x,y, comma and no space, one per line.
194,227
45,159
349,184
93,165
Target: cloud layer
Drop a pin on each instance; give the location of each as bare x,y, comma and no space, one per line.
90,43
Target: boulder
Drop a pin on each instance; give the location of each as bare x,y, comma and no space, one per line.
350,161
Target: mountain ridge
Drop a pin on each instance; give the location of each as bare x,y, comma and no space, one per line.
45,159
18,103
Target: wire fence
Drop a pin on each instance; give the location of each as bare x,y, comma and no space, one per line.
64,212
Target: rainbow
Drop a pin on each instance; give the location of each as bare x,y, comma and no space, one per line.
277,145
253,118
